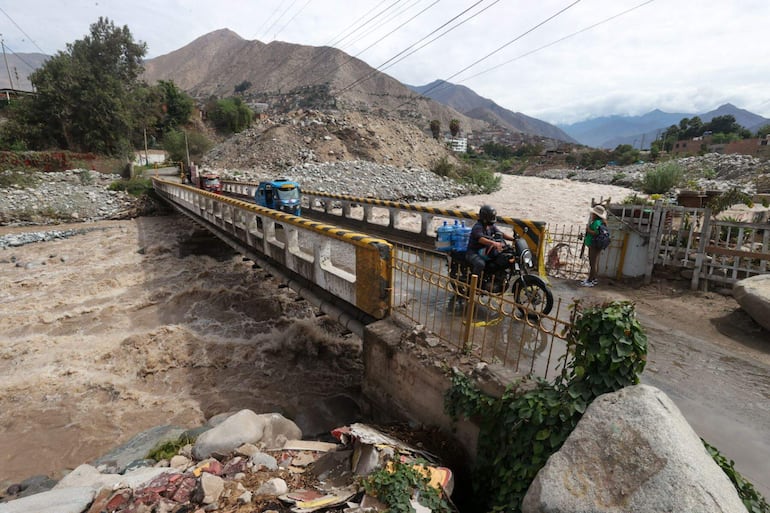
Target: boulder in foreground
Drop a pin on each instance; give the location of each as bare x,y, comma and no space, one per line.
632,451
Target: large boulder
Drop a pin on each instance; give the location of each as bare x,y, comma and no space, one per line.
270,430
632,451
753,294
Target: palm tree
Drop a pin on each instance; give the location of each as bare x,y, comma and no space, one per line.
435,128
454,127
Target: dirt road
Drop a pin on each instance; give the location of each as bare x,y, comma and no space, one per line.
713,361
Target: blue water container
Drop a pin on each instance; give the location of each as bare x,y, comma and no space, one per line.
460,237
444,237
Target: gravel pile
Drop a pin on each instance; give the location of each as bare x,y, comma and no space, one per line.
364,179
14,240
712,171
73,195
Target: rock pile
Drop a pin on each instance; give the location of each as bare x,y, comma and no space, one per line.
245,460
73,195
306,136
364,179
713,171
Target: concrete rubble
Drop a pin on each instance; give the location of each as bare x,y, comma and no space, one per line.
246,459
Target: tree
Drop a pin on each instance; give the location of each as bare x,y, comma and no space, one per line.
84,94
177,105
178,143
435,128
242,87
230,115
763,131
454,127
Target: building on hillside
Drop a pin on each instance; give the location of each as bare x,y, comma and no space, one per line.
457,144
150,157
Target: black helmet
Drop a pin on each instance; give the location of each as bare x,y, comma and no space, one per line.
487,214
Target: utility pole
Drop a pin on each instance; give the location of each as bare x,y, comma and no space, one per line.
187,148
5,58
146,155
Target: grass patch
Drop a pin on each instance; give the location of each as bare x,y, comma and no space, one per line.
18,178
168,450
136,186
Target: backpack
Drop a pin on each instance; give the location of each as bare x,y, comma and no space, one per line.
602,238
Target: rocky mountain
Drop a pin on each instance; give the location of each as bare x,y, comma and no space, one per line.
610,131
466,101
218,62
20,65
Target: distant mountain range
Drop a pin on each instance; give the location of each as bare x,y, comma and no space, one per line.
640,131
466,101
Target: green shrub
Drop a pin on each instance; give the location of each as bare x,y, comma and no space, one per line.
442,167
17,178
136,186
486,180
168,450
395,484
663,178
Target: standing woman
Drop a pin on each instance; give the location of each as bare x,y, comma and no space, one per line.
598,217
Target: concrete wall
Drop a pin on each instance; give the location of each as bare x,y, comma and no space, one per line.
402,385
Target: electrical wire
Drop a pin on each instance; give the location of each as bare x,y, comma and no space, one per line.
329,43
384,22
370,20
22,31
267,20
374,72
386,35
560,40
267,31
292,18
559,13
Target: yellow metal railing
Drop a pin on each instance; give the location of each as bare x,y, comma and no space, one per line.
490,327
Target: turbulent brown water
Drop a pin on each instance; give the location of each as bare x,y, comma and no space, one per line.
150,322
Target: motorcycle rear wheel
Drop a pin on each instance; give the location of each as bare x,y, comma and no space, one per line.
532,294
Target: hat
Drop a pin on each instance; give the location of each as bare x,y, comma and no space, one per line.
599,211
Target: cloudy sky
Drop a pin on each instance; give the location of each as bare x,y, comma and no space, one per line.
561,61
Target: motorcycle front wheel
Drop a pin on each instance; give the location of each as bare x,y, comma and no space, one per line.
532,294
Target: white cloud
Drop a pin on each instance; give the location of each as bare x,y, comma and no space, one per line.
676,55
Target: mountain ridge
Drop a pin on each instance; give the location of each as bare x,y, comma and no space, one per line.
610,131
468,102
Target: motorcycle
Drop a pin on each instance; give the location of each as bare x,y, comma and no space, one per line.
508,270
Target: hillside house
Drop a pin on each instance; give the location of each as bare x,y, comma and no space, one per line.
149,157
457,144
756,147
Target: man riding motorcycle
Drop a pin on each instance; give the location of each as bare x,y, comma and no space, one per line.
482,237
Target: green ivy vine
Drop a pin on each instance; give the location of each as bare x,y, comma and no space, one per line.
395,484
752,499
520,430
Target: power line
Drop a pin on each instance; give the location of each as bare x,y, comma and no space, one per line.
22,31
373,72
267,20
384,22
30,66
559,13
336,43
329,43
560,40
292,18
440,83
267,31
386,35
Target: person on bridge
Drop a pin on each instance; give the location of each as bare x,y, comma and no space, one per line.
482,237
